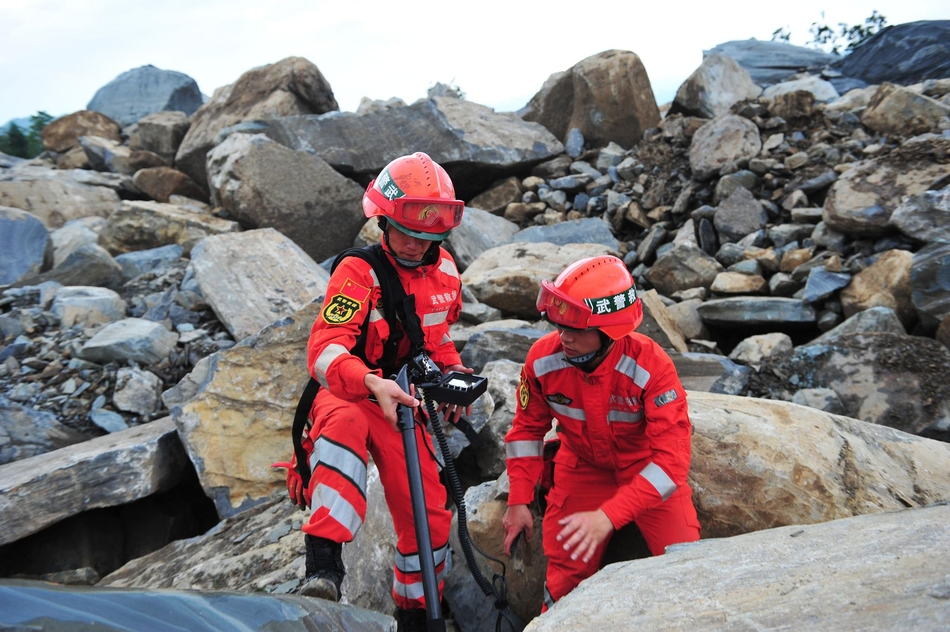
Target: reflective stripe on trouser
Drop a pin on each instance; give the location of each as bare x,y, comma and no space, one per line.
585,488
360,428
407,575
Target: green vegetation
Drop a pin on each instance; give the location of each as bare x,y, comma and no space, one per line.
25,143
838,41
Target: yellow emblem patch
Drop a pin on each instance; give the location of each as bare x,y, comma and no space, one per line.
341,309
523,394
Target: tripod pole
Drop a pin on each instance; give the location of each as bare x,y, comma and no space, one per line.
430,585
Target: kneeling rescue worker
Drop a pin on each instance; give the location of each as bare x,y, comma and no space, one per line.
354,412
622,425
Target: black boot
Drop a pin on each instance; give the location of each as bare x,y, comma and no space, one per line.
325,568
411,620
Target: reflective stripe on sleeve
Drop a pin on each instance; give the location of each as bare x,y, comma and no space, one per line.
434,318
553,362
325,359
568,411
340,459
628,366
446,339
375,315
616,415
548,601
660,480
411,563
522,449
339,508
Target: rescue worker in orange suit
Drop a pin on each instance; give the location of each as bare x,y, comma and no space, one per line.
414,200
622,422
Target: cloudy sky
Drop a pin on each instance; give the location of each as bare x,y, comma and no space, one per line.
55,54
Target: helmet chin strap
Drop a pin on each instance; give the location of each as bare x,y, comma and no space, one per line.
588,361
431,255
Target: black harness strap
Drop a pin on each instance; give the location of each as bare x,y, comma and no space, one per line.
399,311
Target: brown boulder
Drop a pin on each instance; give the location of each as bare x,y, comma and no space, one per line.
64,133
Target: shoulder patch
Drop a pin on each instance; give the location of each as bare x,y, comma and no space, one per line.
665,398
523,394
340,309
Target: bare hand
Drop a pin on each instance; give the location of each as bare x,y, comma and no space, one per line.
453,412
583,532
517,519
389,395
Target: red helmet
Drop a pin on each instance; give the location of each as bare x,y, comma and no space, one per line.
597,292
416,196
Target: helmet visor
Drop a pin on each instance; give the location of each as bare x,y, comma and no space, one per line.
420,213
562,310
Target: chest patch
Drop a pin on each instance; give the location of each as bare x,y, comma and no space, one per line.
665,398
560,398
341,309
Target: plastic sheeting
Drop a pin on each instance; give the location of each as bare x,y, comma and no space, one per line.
32,605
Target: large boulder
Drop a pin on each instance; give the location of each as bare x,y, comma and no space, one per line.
288,87
901,53
772,62
725,140
234,417
607,97
144,90
103,472
250,279
25,245
263,184
475,144
714,87
508,277
63,134
55,196
796,577
143,225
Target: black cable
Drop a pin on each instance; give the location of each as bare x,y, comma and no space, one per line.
499,594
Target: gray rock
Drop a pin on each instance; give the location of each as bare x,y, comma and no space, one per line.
902,550
681,268
160,133
103,472
476,145
25,245
144,90
136,339
711,373
714,87
744,311
930,281
821,89
925,217
498,344
55,196
108,420
87,306
872,320
478,232
89,265
772,62
141,261
739,215
285,88
902,53
590,230
822,283
724,140
263,184
253,278
26,432
821,398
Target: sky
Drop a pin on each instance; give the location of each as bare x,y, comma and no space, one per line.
55,54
